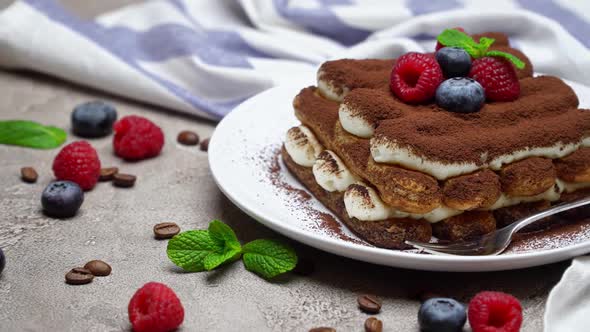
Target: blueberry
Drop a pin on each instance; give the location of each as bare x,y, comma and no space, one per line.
2,260
453,61
460,94
441,315
93,119
62,199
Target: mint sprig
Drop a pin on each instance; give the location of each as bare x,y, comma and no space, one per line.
269,258
31,134
456,38
510,57
205,250
227,242
189,250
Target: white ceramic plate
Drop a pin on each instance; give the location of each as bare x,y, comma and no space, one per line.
240,157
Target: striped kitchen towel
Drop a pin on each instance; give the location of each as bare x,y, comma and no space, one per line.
204,57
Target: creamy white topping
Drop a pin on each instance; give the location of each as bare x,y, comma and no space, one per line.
569,187
302,146
558,150
363,202
386,153
331,173
329,91
392,153
353,123
438,214
370,207
552,194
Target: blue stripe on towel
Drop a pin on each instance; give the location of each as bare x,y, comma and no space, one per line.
575,25
421,7
131,46
322,21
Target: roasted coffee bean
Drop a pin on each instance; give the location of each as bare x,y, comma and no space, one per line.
107,174
166,230
124,180
323,329
98,268
187,137
369,303
305,267
28,174
79,276
205,144
372,324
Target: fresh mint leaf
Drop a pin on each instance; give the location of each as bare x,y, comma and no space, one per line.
213,260
31,134
516,61
202,250
485,43
224,235
189,249
456,38
269,258
228,242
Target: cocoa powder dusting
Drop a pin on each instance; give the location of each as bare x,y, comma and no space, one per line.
270,157
545,114
373,105
570,167
367,73
300,199
559,235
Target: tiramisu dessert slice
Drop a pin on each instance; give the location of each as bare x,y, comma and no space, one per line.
453,144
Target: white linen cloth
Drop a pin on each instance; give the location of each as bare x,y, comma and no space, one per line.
568,305
204,57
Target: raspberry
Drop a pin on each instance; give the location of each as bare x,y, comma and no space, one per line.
494,312
498,78
79,163
137,138
439,45
155,308
415,77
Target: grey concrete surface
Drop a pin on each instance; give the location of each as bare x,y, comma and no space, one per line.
115,225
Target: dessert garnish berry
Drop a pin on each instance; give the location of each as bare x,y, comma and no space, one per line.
78,162
441,315
439,45
461,95
498,78
415,77
155,308
62,199
494,311
454,61
93,119
492,69
137,138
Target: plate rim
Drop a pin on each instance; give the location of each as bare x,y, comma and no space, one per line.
360,252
